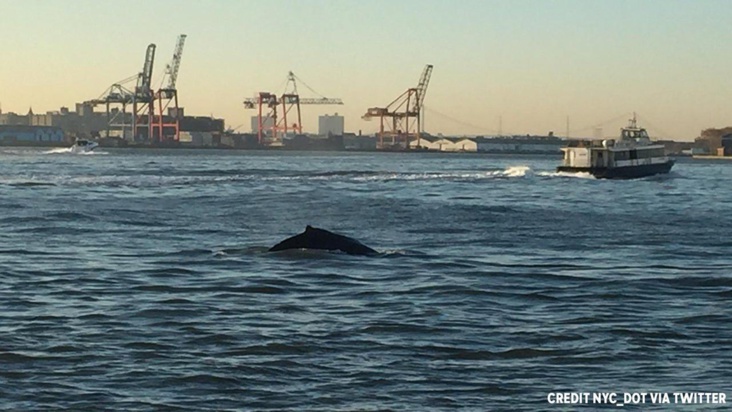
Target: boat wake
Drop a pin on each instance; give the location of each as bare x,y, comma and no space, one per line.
578,175
515,171
69,150
58,150
526,171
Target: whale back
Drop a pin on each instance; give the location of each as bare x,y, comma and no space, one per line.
315,238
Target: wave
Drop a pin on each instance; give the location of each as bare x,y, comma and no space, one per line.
25,183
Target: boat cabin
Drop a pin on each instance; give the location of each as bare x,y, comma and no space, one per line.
634,134
631,155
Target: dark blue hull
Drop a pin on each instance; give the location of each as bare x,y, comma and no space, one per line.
627,172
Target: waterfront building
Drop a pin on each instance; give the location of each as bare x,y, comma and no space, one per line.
332,125
24,134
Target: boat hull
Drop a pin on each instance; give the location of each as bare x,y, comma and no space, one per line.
84,148
626,172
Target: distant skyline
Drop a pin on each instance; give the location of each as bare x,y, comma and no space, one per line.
522,66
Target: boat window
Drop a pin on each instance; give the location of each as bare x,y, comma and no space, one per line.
621,155
633,155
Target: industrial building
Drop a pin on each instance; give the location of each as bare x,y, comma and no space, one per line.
714,142
30,135
14,119
331,125
267,123
50,125
352,141
503,144
86,123
82,121
239,141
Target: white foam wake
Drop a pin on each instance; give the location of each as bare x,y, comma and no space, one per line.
58,150
576,175
67,150
511,171
517,171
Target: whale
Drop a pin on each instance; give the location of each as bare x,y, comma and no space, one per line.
315,238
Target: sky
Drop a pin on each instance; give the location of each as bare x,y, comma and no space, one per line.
509,66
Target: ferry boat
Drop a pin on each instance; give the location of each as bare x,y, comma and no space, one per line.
83,146
631,156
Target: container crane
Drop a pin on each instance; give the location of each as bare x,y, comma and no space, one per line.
140,98
400,120
143,103
116,94
168,95
269,125
424,81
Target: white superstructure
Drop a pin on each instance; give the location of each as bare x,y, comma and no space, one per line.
84,146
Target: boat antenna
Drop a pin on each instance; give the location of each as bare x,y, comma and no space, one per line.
633,122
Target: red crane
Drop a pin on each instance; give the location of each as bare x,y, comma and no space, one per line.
168,127
270,127
401,119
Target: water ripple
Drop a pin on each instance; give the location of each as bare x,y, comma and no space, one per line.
142,281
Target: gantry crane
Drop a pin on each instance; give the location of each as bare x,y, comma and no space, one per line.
269,125
401,119
141,100
143,104
116,94
165,96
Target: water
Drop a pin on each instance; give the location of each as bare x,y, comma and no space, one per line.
139,280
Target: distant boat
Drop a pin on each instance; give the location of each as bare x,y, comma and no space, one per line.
631,156
84,146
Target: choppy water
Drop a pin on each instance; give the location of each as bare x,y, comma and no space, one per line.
139,280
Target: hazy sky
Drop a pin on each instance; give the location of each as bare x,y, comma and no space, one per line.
529,63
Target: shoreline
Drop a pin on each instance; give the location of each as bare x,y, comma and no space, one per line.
275,149
711,157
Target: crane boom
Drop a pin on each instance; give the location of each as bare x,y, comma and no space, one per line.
274,110
144,80
251,102
324,100
172,69
424,81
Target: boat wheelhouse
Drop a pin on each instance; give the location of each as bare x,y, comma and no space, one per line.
633,155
